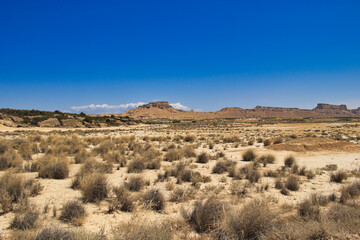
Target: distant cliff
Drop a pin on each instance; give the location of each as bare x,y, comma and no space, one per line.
165,110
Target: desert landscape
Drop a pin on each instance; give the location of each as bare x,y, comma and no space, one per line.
216,178
179,120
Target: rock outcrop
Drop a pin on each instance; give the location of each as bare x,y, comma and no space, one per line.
51,122
71,123
165,110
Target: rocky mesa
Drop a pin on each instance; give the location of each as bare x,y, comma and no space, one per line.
163,110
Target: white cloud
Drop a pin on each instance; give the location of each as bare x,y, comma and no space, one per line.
105,108
179,106
98,108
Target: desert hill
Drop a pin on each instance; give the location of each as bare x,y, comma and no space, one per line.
165,110
31,118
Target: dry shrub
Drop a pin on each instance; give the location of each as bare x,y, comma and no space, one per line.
239,189
189,138
135,183
136,166
267,159
189,151
251,142
73,212
93,166
180,194
252,220
89,167
253,175
104,147
10,159
350,191
289,161
331,167
292,183
338,176
278,140
14,192
82,156
231,139
249,155
271,173
54,233
94,187
25,221
203,158
153,164
308,209
310,174
26,151
122,200
206,214
173,155
115,157
223,166
267,142
4,146
346,218
155,200
55,168
136,230
297,229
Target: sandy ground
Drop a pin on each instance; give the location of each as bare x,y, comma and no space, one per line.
57,192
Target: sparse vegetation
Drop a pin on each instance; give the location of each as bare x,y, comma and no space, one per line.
249,155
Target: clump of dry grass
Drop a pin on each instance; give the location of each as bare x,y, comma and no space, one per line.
249,155
135,183
9,159
104,147
203,158
122,200
52,233
223,166
267,142
94,187
279,184
278,140
136,230
182,194
55,168
82,156
292,183
239,189
253,175
14,192
267,159
350,191
289,161
189,151
173,155
25,221
338,176
250,222
189,138
136,166
309,209
231,139
155,200
206,214
73,212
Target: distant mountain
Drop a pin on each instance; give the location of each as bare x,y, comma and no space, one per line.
163,110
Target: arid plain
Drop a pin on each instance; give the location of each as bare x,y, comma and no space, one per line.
193,180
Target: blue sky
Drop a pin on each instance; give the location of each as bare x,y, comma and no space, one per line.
204,55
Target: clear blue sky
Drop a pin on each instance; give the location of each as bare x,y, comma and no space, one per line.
203,54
